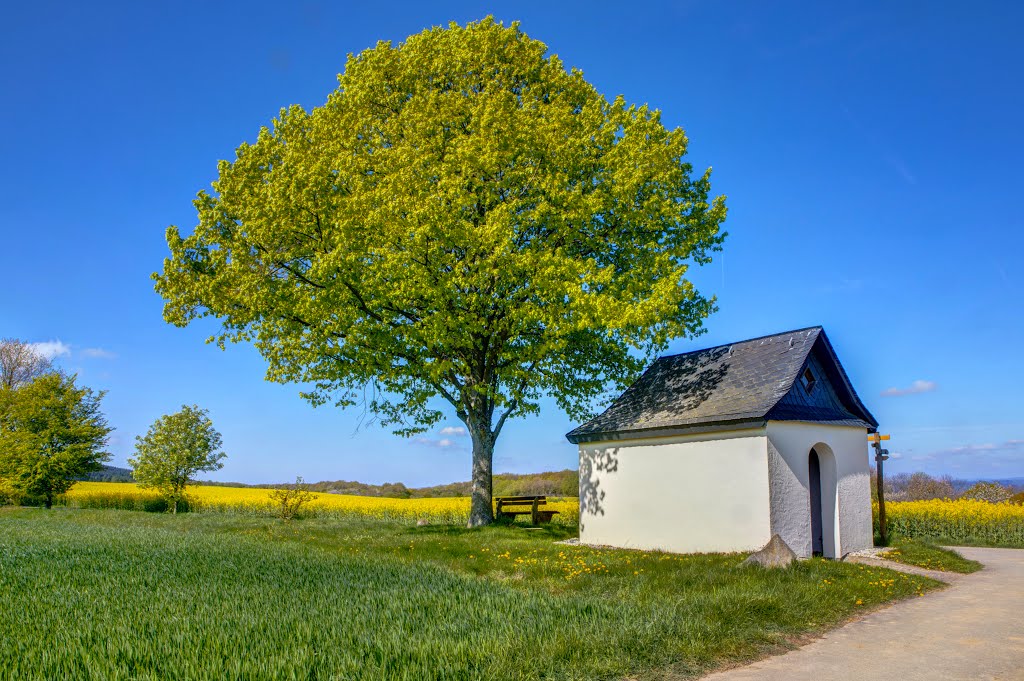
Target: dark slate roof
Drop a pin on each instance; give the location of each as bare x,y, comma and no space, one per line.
729,386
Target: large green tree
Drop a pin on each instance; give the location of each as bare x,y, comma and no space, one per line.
464,220
51,432
173,450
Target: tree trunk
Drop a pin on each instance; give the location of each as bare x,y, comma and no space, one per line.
49,501
480,512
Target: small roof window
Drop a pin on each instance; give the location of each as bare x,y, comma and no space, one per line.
807,378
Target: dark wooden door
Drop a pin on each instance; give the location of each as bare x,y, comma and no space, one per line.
814,486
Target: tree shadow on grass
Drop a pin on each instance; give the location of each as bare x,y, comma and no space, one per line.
498,529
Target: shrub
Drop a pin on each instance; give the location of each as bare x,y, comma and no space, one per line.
161,505
291,500
992,492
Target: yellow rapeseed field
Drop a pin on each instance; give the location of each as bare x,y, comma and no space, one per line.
964,520
254,501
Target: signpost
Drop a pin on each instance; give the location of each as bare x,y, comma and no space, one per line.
880,455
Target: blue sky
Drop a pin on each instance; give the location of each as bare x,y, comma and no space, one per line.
870,153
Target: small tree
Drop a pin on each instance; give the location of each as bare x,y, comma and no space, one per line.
988,491
175,448
291,500
20,363
51,432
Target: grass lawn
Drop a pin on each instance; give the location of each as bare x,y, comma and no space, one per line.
105,594
923,554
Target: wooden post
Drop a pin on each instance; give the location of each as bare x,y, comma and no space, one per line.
533,511
880,456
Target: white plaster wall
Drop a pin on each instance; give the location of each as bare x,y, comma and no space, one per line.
845,482
682,494
790,509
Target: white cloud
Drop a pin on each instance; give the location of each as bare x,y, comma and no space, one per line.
968,449
51,349
442,443
98,353
916,387
984,452
457,431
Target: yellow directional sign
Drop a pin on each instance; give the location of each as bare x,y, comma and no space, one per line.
877,437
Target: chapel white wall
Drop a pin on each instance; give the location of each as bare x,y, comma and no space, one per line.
704,493
846,494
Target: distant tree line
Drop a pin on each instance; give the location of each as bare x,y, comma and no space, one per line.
923,487
555,483
108,474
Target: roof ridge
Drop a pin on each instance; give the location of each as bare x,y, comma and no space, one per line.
748,340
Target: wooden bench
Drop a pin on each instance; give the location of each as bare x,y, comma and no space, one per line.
510,507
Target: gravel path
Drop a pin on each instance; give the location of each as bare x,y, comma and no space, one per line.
972,630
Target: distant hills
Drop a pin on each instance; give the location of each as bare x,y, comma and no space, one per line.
109,474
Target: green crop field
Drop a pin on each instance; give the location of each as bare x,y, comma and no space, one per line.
106,594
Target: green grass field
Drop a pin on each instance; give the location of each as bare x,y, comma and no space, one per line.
103,594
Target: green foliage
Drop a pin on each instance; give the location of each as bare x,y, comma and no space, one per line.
463,219
290,500
213,597
175,448
929,556
8,493
51,432
988,491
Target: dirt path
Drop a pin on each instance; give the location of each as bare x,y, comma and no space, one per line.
972,630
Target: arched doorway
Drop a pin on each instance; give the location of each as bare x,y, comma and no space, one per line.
814,487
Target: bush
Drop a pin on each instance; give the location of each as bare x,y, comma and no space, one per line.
161,505
290,501
992,492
